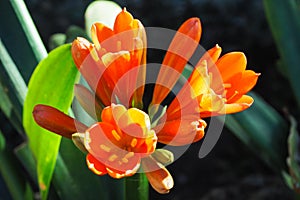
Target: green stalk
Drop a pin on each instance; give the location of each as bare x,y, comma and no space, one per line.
29,29
137,187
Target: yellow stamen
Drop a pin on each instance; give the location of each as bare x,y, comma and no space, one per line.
133,142
129,155
112,158
124,160
105,148
227,85
234,95
116,135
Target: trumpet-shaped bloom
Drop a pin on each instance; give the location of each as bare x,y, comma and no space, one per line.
117,144
230,80
99,62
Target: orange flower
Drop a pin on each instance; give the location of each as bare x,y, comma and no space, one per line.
230,80
117,144
99,63
216,86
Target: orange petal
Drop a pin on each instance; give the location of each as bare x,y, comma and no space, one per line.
249,79
123,21
103,37
158,176
95,165
108,146
242,104
231,64
91,68
56,121
211,56
141,77
80,50
179,52
180,131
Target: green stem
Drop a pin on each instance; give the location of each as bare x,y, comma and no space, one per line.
136,187
30,31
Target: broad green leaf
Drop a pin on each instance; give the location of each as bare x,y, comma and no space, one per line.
283,18
101,11
263,130
52,84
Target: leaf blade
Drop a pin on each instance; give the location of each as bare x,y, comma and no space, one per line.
60,73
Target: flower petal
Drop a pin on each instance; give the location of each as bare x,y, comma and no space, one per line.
241,104
101,33
231,63
158,176
179,52
249,79
80,50
123,21
180,132
107,146
95,165
56,121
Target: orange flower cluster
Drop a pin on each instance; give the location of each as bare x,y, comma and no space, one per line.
124,138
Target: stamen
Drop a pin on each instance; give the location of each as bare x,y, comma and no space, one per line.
105,148
234,95
112,158
227,85
116,135
129,155
124,160
133,142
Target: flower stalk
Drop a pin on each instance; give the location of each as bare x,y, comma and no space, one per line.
137,187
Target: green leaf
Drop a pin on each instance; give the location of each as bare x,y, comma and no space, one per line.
52,84
263,130
293,159
283,18
101,11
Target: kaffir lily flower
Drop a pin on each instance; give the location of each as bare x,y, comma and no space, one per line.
124,138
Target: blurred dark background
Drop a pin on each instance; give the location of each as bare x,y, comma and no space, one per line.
231,170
